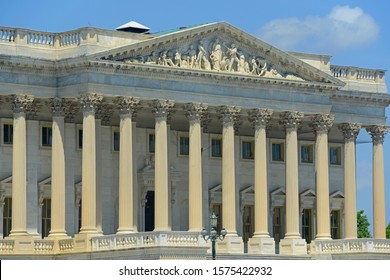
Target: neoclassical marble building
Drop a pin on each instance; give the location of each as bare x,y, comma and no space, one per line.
121,145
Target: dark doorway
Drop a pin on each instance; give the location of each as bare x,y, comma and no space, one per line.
149,211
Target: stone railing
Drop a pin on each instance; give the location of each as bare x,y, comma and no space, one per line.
358,74
66,245
137,240
43,246
7,34
352,246
6,246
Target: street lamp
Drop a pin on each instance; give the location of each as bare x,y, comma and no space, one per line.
214,236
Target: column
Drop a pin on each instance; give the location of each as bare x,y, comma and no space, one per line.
321,124
350,131
232,242
161,109
58,170
127,106
19,166
293,242
88,192
194,115
378,180
261,242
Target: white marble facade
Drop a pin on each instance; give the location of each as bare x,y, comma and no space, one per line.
145,102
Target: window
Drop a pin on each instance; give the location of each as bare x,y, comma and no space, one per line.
277,151
248,149
307,153
184,145
335,224
152,143
335,155
7,216
46,217
277,221
80,138
47,135
307,225
217,210
8,133
216,147
116,140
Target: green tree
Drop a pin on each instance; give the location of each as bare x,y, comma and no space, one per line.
362,225
388,231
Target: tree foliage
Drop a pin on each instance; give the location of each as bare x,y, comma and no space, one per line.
388,231
362,225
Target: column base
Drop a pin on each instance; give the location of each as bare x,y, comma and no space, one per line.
230,245
293,246
263,245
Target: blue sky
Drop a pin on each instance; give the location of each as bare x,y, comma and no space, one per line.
354,33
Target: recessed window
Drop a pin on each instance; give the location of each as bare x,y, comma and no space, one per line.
307,225
307,153
116,140
47,136
216,147
80,138
46,217
184,145
248,149
335,224
7,216
152,143
8,133
335,155
277,151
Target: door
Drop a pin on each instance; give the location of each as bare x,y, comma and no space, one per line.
149,211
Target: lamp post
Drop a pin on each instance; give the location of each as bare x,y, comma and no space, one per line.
214,236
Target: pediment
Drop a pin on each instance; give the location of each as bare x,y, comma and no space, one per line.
308,193
218,48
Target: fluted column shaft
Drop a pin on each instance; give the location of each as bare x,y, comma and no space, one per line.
194,115
88,192
378,180
321,124
19,166
350,131
58,170
291,120
260,117
161,176
126,189
228,170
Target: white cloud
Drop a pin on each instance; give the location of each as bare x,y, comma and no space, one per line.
343,28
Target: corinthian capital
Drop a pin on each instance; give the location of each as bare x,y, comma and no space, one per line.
350,130
260,117
195,111
291,119
378,133
90,101
322,122
229,114
57,106
127,105
22,103
162,108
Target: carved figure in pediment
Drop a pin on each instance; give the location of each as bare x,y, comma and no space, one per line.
191,57
216,56
273,73
242,65
165,60
152,58
201,60
231,57
255,67
177,59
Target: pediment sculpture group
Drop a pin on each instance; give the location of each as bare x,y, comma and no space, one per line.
216,56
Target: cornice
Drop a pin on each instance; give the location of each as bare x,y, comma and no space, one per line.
362,97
